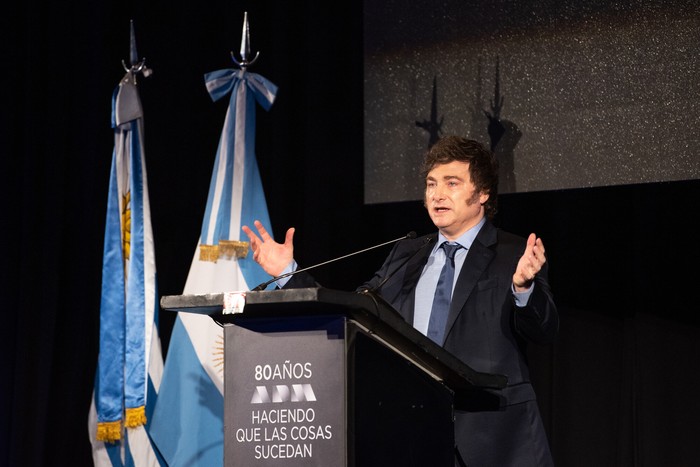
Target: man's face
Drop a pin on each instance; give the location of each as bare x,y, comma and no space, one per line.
451,199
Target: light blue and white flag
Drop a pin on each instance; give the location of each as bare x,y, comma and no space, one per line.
188,423
130,363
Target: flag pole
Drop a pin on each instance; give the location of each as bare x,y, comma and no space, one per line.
187,422
130,361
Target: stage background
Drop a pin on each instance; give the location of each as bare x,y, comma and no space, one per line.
569,93
618,387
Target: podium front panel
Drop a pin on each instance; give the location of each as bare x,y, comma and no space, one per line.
284,386
398,414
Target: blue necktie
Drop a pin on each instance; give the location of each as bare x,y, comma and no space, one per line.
443,295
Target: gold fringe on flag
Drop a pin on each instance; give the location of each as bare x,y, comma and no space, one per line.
109,432
230,248
135,417
209,253
226,249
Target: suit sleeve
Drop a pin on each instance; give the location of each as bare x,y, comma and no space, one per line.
301,280
538,321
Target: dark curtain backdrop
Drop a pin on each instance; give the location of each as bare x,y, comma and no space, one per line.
618,387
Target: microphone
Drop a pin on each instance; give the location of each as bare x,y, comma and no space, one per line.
409,235
374,289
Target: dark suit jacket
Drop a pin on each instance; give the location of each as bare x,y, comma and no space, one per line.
488,332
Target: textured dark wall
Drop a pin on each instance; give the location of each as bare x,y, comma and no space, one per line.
569,94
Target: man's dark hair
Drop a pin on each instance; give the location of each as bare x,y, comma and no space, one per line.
483,167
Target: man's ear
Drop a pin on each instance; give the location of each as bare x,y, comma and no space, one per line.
484,197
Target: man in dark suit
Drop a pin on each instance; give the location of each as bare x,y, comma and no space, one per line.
500,298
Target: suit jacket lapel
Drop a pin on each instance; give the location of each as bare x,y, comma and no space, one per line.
414,268
478,259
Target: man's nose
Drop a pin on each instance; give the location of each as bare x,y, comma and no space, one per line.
437,193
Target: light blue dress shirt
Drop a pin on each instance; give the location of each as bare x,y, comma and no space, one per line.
291,267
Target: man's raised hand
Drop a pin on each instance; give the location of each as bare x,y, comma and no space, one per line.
273,257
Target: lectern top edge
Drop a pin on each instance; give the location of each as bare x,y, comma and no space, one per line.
370,311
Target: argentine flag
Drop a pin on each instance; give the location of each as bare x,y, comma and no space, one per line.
130,363
188,423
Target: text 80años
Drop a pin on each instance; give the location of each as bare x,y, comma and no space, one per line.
284,371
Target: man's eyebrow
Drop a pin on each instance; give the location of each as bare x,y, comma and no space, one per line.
445,177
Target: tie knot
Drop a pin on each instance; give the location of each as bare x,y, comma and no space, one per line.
450,249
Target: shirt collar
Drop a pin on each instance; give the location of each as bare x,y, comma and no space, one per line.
467,238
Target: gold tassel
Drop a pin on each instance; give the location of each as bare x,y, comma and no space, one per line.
230,248
208,253
109,432
135,417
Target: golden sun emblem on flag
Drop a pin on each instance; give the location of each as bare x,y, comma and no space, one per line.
126,225
218,355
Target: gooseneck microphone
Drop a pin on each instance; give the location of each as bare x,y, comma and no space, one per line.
409,235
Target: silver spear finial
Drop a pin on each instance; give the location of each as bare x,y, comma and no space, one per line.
133,54
135,66
245,46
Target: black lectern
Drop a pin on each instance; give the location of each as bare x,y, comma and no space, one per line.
320,377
